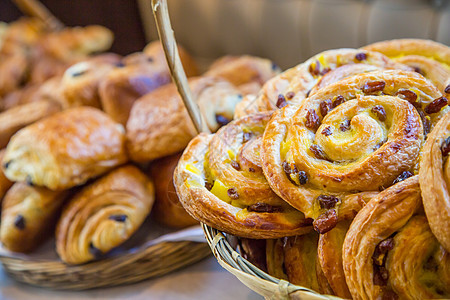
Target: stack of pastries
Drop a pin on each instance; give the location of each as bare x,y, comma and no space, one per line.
335,175
89,152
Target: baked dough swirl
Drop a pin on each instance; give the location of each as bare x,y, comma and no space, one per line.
297,83
390,252
220,182
103,215
434,175
329,155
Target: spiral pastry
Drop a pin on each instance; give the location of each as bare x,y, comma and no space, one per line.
431,59
295,84
389,251
220,182
103,215
347,141
434,177
28,216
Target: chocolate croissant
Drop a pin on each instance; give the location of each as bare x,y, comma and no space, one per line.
65,149
220,182
347,141
103,215
389,251
159,124
297,83
434,177
28,215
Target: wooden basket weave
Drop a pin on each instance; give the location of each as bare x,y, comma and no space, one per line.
138,265
257,280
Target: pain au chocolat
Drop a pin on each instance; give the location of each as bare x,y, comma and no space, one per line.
65,149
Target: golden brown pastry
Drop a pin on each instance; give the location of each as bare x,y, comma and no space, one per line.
13,71
347,141
17,97
168,209
5,184
65,149
434,180
390,252
295,84
246,72
159,124
14,119
28,216
20,34
220,182
137,75
103,215
429,58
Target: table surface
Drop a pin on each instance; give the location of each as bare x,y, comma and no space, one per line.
204,280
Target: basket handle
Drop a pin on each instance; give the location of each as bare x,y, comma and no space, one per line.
36,9
165,32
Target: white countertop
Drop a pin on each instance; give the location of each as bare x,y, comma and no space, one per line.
204,280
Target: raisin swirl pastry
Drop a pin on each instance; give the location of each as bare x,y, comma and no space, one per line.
434,177
159,124
295,84
28,216
220,182
103,215
390,252
65,149
347,141
429,58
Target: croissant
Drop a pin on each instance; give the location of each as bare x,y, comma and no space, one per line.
65,149
434,180
347,141
220,182
429,58
159,124
246,72
103,215
20,116
389,251
138,75
28,215
168,209
297,83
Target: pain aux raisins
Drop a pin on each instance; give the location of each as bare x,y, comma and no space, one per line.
436,105
232,193
281,101
379,111
445,147
373,87
407,95
312,120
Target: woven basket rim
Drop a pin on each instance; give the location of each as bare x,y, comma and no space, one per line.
226,254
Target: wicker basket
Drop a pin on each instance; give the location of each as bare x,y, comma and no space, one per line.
140,264
253,277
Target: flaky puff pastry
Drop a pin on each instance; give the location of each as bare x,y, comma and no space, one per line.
297,83
219,181
103,215
65,149
159,124
168,209
28,216
14,119
347,141
389,251
5,183
429,58
434,177
295,259
137,75
246,72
